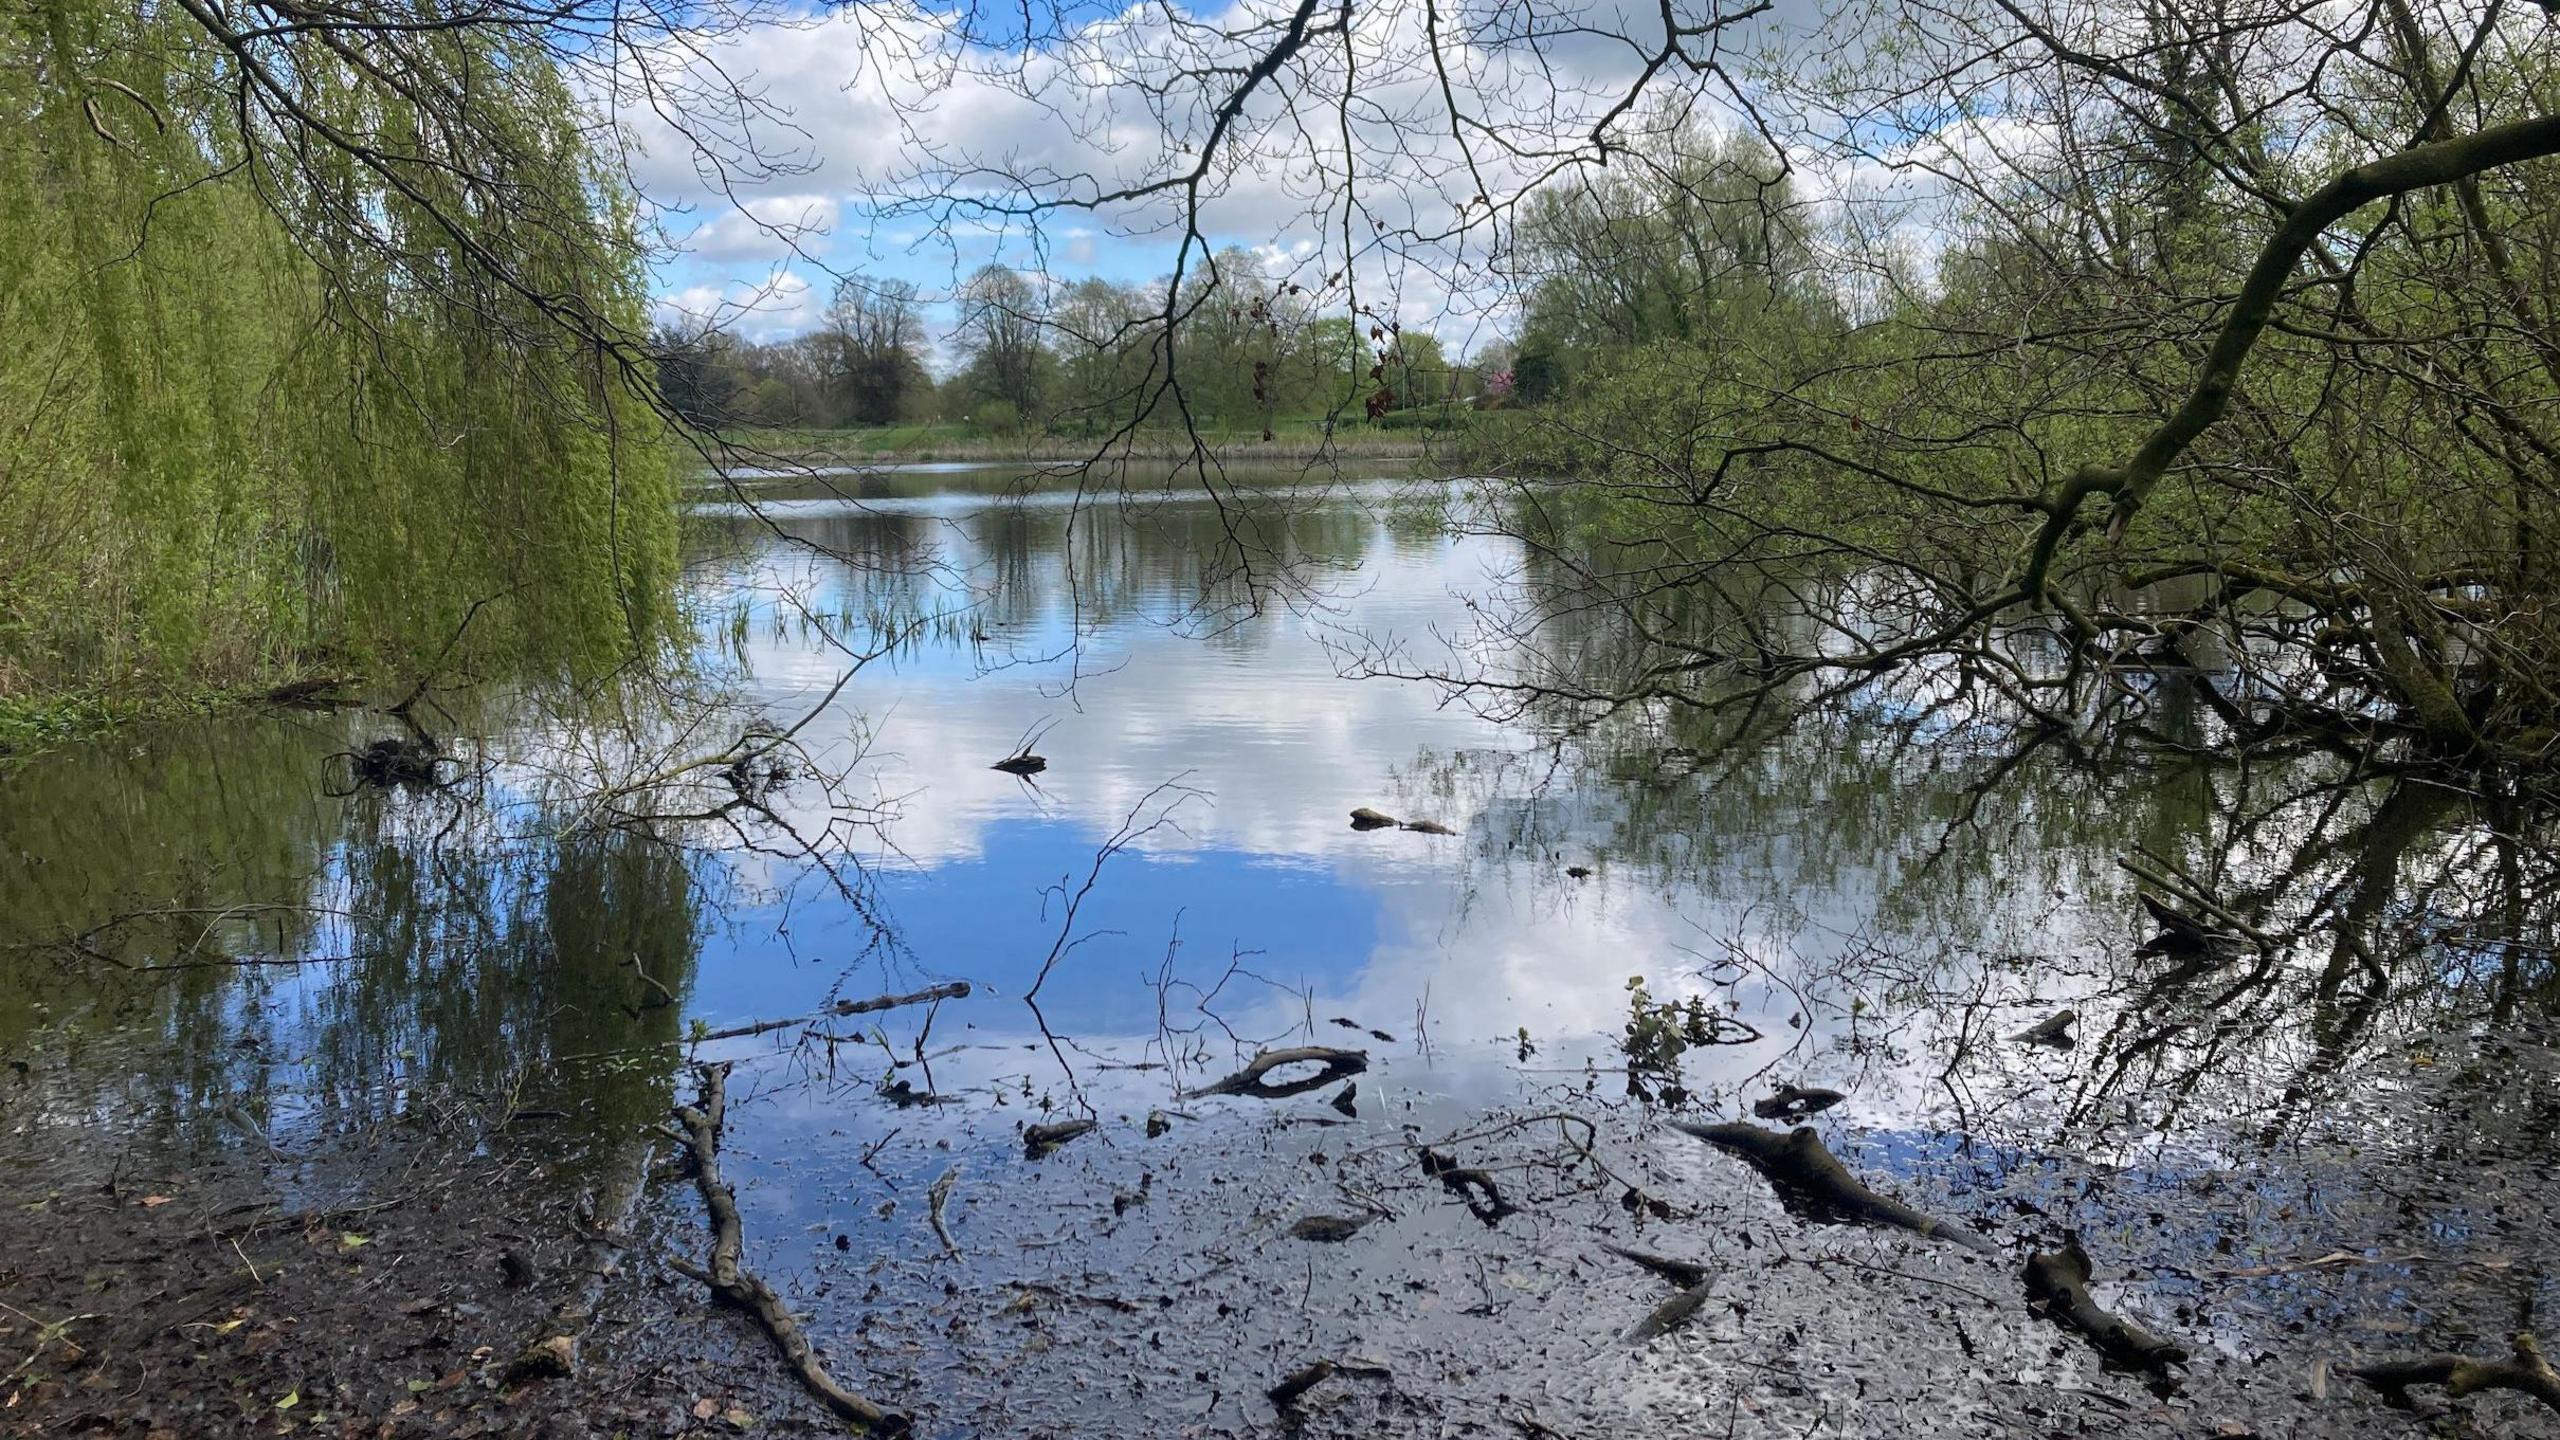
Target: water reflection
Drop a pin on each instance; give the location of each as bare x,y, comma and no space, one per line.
1874,900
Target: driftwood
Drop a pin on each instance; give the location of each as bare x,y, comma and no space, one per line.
2181,933
1673,1313
1338,1065
1474,1187
738,1287
1039,1140
2054,1029
1284,1396
1298,1382
955,990
1810,1178
940,1199
1794,1102
1328,1229
2058,1290
2523,1371
1686,1274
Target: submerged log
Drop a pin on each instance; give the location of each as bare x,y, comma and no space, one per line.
2058,1290
2523,1371
1338,1065
734,1285
1810,1178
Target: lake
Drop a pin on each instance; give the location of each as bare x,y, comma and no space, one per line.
246,987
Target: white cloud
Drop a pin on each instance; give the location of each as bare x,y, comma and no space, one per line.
780,304
765,230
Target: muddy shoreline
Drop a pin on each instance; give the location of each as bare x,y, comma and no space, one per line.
384,1281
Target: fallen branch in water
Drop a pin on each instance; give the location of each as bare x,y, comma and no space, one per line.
956,990
1039,1140
1298,1382
2523,1371
1338,1065
1284,1396
2058,1289
1812,1178
1683,1273
1474,1187
1673,1313
940,1196
733,1285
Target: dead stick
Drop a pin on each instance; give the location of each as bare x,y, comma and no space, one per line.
941,1196
735,1286
1673,1313
1338,1064
956,990
2524,1371
1683,1273
1802,1169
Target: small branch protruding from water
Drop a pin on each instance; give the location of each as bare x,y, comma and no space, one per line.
1683,1273
2058,1289
1809,1175
2523,1371
1338,1065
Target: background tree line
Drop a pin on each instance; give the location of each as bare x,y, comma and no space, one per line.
2236,357
1026,352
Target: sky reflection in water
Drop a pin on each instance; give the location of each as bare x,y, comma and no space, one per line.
1252,706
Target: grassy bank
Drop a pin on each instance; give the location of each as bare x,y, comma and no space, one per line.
32,724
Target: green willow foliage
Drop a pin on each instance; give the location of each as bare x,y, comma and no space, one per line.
242,432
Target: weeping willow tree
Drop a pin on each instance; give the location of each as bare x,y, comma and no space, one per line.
313,343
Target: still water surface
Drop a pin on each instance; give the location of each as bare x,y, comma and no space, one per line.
1184,873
